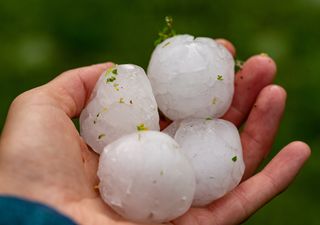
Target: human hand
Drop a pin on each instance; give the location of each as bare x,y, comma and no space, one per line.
41,150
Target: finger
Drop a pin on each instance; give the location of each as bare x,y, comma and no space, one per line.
228,45
164,121
261,127
258,72
252,194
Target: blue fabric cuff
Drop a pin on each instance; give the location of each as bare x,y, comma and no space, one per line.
15,210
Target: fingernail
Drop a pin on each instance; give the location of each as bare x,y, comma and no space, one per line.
264,54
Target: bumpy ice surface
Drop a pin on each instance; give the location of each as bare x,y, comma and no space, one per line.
145,177
214,148
121,101
192,77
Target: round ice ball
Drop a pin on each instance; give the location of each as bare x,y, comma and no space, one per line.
146,178
192,77
214,148
121,102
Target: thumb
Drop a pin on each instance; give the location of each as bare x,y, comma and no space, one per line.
68,91
72,88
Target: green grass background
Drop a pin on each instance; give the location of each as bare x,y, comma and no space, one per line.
40,39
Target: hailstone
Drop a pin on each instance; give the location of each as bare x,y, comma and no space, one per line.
214,148
121,102
192,77
145,177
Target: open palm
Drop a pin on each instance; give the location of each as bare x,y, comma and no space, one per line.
42,156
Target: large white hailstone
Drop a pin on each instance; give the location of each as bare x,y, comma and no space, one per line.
192,77
145,177
121,102
214,148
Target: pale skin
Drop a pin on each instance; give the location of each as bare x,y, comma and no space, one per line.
43,158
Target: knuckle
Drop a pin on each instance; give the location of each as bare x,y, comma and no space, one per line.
26,97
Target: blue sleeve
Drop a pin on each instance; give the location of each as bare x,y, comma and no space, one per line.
15,210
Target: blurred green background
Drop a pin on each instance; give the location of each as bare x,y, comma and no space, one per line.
40,39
